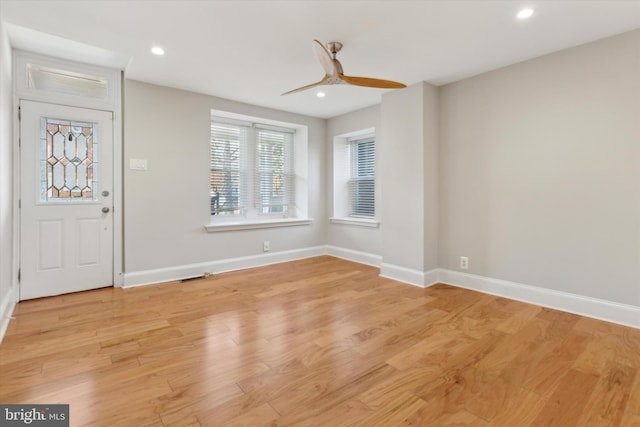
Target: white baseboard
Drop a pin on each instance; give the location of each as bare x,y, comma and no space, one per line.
432,277
423,279
355,256
180,272
7,305
624,314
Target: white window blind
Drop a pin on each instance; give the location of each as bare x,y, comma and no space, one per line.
362,177
227,142
252,169
274,172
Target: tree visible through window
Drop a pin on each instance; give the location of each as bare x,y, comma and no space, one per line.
274,176
226,141
251,169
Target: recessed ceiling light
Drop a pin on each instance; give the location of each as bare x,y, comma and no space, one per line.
320,94
525,13
157,50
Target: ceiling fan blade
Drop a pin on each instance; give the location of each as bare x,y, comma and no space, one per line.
365,81
324,81
334,74
324,56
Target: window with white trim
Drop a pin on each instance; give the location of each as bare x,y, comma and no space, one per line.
354,178
362,182
252,171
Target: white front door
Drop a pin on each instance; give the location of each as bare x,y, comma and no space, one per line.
66,199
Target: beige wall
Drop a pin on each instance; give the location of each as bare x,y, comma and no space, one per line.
401,176
540,171
167,206
532,171
409,180
431,179
363,239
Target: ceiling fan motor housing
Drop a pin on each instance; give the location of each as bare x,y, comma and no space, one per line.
334,47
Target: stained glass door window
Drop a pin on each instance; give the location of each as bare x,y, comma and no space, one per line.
69,161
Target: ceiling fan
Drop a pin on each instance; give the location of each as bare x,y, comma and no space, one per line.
334,74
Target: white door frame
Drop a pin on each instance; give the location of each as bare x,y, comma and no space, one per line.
112,103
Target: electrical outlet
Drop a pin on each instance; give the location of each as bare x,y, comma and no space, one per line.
464,262
265,246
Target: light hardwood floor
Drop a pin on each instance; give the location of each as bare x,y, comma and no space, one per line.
317,342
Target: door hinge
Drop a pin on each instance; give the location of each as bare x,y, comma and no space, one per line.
19,113
19,203
19,274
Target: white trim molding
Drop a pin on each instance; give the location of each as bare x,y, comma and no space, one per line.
358,222
7,305
355,256
609,311
181,272
422,279
239,225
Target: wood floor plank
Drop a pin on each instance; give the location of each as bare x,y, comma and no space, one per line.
412,379
394,411
609,400
424,349
545,376
182,404
342,414
461,418
317,342
567,403
262,416
502,386
518,314
522,409
631,416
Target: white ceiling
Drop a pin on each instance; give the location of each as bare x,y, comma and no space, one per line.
252,51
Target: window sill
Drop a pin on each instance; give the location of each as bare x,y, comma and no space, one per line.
359,222
270,223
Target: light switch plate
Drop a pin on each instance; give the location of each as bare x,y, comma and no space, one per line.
138,164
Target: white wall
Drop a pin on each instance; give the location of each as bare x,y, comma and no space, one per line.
540,171
167,206
356,238
6,180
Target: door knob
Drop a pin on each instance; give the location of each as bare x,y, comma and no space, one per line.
105,210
